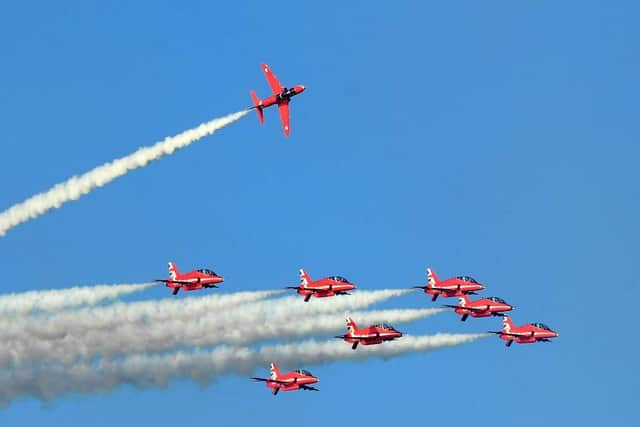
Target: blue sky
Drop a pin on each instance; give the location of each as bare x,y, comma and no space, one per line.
496,139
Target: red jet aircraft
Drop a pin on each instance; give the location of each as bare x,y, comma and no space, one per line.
281,96
484,307
294,380
525,334
191,281
326,287
452,287
374,334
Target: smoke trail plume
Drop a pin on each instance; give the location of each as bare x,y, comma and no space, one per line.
77,186
290,328
161,325
57,299
106,318
147,371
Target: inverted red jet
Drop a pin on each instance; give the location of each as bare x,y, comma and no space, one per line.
326,287
452,287
484,307
373,334
294,380
281,96
191,281
525,334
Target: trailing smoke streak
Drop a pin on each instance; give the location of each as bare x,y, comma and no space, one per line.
58,299
151,371
108,332
287,328
77,186
95,319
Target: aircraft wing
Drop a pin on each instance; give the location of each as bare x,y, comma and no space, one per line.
510,334
283,108
307,289
307,387
465,308
178,282
269,380
320,290
435,288
276,87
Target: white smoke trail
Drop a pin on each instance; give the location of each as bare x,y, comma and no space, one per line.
160,326
57,299
287,328
93,319
77,186
147,371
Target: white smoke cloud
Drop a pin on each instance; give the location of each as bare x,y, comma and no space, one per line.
166,325
77,186
49,381
58,299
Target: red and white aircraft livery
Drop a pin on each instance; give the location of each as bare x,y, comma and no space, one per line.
373,334
281,96
525,334
484,307
452,287
294,380
191,281
325,287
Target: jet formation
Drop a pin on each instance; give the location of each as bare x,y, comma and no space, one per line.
331,286
459,286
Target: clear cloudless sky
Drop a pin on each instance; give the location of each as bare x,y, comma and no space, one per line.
497,139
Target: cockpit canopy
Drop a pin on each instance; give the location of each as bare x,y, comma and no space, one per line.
207,271
339,279
304,372
384,326
496,299
541,326
467,279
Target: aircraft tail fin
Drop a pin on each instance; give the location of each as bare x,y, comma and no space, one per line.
257,106
507,324
304,278
275,372
463,300
173,271
432,278
351,325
